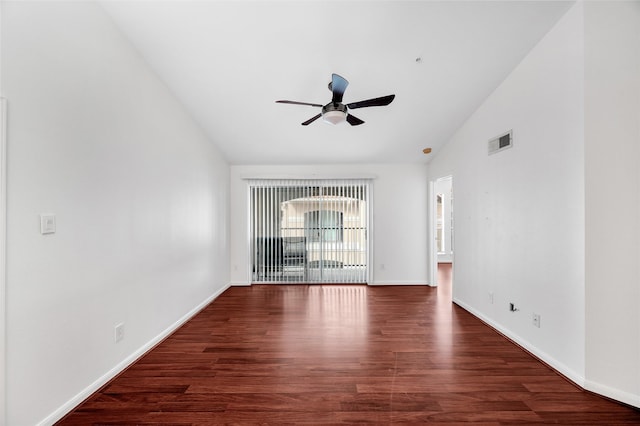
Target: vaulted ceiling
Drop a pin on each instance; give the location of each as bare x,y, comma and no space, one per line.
229,61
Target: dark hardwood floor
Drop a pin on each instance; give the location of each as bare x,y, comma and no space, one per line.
329,354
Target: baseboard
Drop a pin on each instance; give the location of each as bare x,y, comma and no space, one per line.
100,382
579,380
616,394
558,366
398,283
380,283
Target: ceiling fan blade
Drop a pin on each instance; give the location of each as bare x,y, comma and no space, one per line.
382,101
354,121
298,103
338,86
311,120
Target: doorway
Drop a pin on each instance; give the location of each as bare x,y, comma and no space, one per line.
309,231
442,226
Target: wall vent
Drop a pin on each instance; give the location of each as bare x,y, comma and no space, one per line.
501,142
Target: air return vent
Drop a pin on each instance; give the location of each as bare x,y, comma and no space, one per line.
501,142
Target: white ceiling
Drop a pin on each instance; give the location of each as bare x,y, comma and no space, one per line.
229,61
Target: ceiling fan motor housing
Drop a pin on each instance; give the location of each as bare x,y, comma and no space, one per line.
334,113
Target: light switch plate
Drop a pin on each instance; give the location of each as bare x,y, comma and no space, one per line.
47,224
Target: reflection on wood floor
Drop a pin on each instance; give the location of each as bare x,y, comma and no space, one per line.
327,354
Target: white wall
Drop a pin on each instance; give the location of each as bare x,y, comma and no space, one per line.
3,240
553,224
140,195
519,214
612,148
399,217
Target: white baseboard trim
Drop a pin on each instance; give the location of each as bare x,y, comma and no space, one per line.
249,284
118,368
399,283
609,392
561,368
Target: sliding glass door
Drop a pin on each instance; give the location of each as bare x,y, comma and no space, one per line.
309,231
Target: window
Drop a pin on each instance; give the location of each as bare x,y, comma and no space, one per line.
323,225
439,223
309,230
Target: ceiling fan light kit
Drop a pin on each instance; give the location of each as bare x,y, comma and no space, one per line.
336,112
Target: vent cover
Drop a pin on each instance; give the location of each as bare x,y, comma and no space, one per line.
500,143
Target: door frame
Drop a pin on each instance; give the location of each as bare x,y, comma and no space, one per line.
433,253
433,224
3,260
3,239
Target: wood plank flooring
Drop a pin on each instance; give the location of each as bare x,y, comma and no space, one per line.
331,354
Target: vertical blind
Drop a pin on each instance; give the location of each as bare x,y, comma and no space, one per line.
309,230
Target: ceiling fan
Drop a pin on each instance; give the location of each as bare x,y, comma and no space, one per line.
335,111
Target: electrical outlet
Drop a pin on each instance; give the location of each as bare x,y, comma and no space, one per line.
536,320
119,332
491,297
